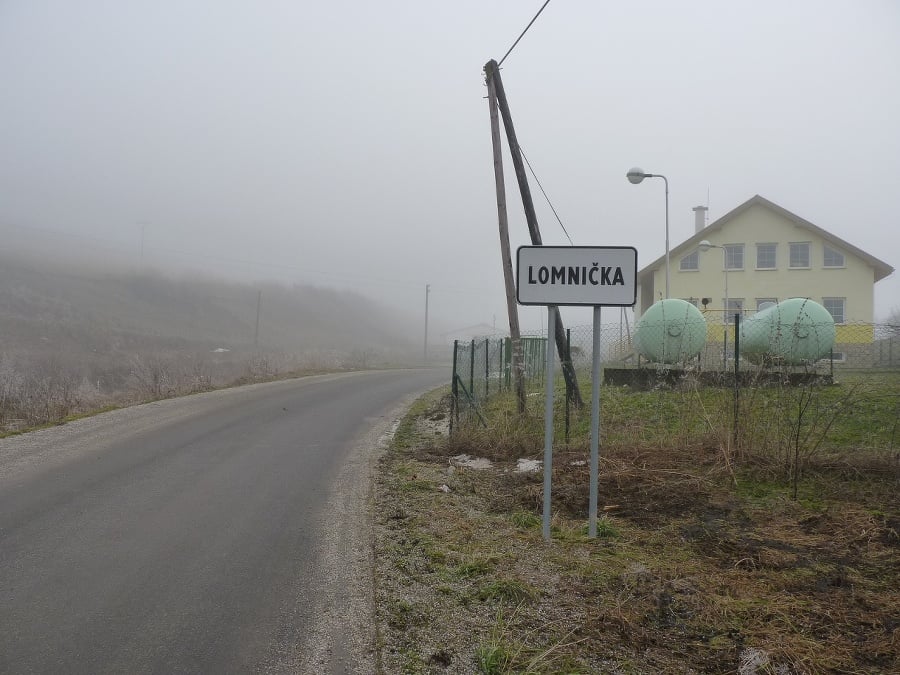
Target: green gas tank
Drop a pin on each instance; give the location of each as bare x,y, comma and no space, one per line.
793,331
670,331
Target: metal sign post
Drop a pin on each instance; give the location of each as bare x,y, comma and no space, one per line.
548,417
595,426
590,276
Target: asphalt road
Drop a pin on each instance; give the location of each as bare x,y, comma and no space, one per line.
218,533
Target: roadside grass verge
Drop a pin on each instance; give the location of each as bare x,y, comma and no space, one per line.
705,561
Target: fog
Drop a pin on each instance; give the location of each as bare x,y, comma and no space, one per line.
347,144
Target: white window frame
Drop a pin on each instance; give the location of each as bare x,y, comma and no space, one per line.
791,246
828,301
695,257
731,252
834,252
774,264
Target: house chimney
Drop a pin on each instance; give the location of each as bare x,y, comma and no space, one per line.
699,218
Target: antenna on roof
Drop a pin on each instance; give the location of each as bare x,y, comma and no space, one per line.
707,204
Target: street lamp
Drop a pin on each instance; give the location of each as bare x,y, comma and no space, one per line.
704,246
635,176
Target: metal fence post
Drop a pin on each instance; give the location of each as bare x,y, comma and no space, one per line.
472,371
454,390
500,368
725,348
487,366
737,379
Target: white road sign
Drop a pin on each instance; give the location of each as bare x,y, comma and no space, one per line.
577,275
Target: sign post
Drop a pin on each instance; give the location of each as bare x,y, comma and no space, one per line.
548,416
575,275
595,426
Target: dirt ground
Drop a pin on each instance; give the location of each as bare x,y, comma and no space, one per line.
696,569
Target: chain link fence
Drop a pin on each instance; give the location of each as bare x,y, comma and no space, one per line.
482,367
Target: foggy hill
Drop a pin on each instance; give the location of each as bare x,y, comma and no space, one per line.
51,308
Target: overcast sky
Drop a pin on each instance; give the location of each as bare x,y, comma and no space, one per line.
347,143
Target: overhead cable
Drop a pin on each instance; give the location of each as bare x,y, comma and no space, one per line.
543,192
523,33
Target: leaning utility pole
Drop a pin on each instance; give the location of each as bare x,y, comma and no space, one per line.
517,363
492,70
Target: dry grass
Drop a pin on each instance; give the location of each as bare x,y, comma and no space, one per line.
697,569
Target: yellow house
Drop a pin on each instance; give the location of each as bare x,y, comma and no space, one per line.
764,253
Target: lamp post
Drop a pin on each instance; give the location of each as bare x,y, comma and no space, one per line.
704,246
635,176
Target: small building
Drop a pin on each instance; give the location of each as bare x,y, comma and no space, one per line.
768,254
479,331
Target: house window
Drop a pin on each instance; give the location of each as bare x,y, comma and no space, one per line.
690,262
800,255
765,303
694,301
765,256
734,256
833,258
734,306
835,307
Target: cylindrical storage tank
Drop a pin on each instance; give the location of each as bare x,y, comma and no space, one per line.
670,331
793,331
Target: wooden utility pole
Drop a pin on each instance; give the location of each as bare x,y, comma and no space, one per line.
517,363
492,70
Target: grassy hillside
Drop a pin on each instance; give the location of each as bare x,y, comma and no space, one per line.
74,339
58,309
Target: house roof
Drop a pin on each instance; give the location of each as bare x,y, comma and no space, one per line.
882,269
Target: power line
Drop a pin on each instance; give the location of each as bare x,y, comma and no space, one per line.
558,220
523,33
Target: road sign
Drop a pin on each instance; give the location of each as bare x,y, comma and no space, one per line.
597,276
577,275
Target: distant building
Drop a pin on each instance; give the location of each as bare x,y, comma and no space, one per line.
476,332
770,255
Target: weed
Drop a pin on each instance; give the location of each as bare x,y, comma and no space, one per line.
473,568
403,614
492,658
507,590
606,530
525,520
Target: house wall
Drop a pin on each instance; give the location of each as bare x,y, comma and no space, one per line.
854,282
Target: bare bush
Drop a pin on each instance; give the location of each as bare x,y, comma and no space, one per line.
152,375
195,375
45,393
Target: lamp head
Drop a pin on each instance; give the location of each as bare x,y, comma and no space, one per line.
635,175
704,246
